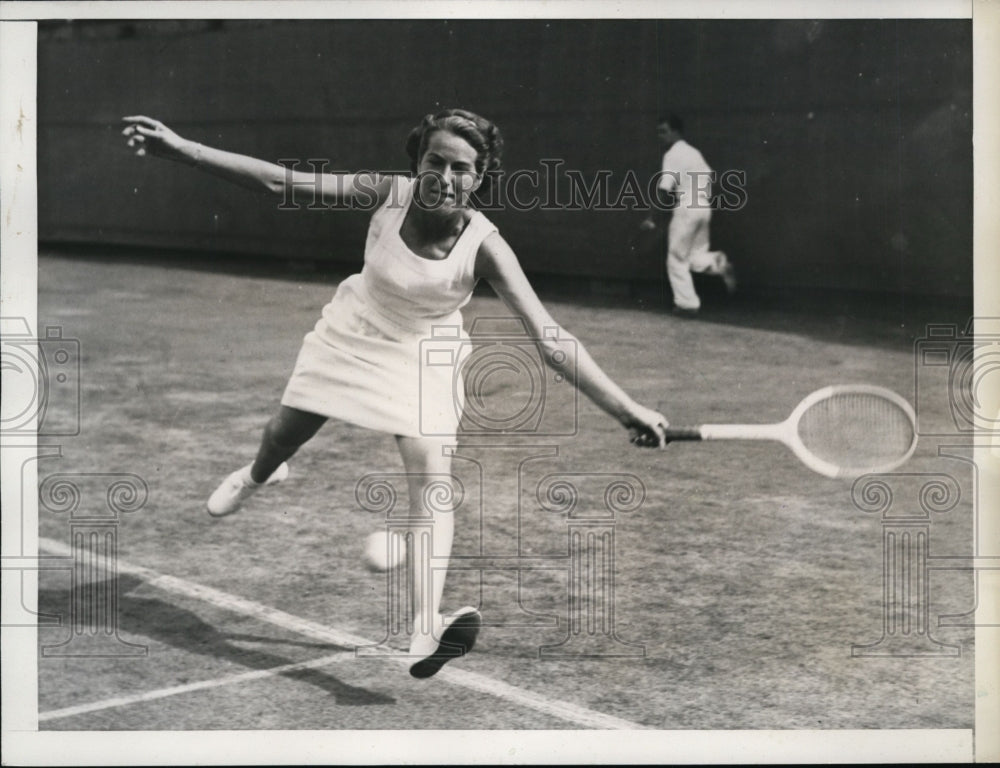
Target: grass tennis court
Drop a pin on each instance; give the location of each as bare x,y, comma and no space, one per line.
746,577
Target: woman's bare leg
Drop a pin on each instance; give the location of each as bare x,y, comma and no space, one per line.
284,434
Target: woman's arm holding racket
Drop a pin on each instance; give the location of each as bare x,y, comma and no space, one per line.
149,136
497,264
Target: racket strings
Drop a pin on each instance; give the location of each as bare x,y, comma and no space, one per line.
857,431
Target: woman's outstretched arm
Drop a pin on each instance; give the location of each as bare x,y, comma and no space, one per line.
151,137
497,264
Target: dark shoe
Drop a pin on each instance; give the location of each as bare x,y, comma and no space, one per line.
457,640
687,314
728,275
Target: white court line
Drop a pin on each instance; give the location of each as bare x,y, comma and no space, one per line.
258,674
562,710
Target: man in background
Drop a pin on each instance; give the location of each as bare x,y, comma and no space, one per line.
687,177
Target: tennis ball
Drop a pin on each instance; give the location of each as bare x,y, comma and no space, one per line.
383,552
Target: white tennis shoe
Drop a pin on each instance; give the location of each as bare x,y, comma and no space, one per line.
238,487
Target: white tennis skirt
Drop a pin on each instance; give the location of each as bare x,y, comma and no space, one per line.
363,367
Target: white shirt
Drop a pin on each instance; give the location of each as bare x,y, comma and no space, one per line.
685,169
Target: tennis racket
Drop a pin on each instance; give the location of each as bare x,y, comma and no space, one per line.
838,431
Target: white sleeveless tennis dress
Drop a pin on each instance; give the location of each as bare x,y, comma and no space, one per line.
362,361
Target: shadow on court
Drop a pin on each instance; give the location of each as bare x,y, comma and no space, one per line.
854,318
152,618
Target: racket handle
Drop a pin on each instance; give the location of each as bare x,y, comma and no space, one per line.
728,432
683,433
745,431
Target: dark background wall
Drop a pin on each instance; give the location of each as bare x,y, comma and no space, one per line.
855,135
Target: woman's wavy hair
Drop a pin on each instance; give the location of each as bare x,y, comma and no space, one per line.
482,135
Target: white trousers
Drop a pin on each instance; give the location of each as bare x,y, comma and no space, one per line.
688,243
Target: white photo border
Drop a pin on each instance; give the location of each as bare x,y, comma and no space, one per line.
25,745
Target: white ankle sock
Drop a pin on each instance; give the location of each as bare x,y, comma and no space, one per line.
248,479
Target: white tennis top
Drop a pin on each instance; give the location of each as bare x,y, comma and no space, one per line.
362,362
684,168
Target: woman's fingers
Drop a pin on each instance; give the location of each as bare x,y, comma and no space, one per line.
145,130
643,438
139,125
138,128
137,142
650,431
142,120
138,133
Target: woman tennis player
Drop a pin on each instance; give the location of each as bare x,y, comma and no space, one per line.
426,249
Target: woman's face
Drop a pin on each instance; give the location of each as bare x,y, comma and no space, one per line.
447,173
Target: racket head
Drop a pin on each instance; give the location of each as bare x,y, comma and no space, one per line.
849,430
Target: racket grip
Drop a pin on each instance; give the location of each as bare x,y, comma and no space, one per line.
683,433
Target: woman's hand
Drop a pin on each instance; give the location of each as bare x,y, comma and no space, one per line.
149,136
646,428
